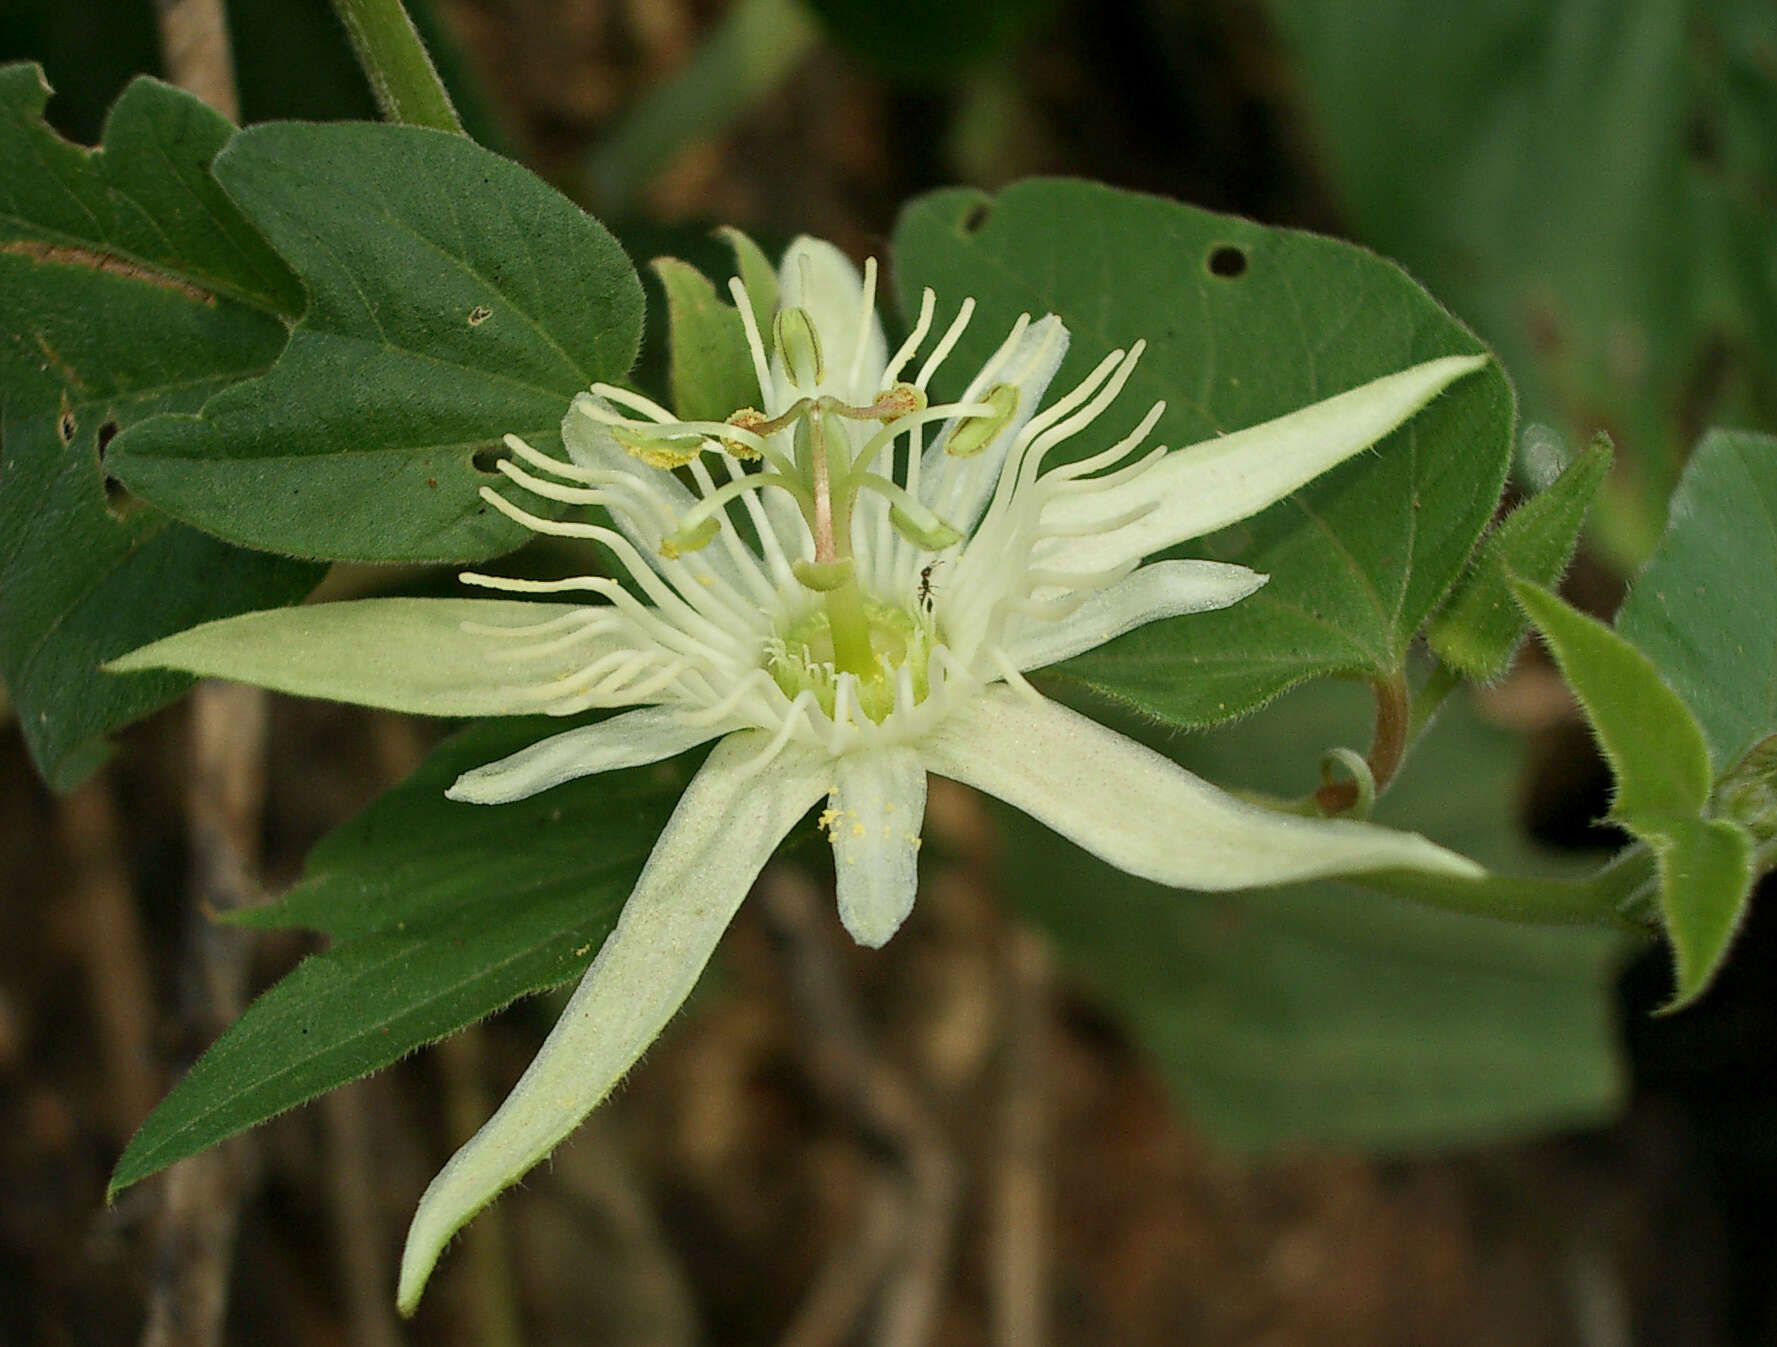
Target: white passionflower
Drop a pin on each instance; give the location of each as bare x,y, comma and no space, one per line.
846,608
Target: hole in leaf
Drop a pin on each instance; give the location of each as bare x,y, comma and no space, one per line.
479,315
977,216
67,427
107,433
1227,262
120,501
487,460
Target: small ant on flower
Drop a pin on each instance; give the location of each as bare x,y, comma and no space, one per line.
925,586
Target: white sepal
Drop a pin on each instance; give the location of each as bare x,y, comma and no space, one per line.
959,488
1204,487
632,739
874,815
1145,814
1158,590
437,657
725,828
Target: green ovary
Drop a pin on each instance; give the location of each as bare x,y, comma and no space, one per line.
803,659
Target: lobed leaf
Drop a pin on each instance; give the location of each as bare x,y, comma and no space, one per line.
1661,761
1649,735
454,297
193,301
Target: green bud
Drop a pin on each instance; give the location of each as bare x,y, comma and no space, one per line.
975,434
823,576
792,331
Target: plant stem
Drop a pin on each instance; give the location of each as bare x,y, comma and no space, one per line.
1388,746
401,75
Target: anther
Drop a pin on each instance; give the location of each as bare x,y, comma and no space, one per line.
977,433
656,452
691,538
793,333
901,400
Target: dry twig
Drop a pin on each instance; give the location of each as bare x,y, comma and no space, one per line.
202,1195
858,1081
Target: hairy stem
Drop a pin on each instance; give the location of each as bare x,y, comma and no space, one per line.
1388,746
401,75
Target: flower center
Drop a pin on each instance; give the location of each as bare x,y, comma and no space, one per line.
805,659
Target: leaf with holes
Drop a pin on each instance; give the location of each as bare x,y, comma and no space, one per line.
193,301
440,914
1243,323
453,297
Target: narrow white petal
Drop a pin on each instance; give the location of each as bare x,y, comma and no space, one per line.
401,654
725,828
1159,589
816,276
1207,486
632,739
1141,812
958,488
873,818
654,503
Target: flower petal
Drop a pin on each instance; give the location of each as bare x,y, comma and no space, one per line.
724,830
817,277
632,739
655,501
957,489
873,819
1145,814
1207,486
1159,589
402,654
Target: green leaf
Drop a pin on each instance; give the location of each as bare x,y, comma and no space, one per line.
1748,793
1648,734
1705,609
133,288
1243,323
756,274
453,297
1599,260
712,371
1705,884
1661,763
440,914
1480,628
1323,1014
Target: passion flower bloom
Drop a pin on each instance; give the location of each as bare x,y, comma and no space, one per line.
846,607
